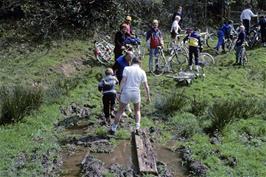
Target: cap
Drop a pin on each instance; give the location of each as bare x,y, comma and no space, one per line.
129,18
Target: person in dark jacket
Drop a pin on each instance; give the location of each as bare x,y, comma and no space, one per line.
107,87
120,38
194,48
179,12
239,42
262,24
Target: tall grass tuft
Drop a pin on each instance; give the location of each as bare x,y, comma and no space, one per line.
198,106
18,101
171,103
223,112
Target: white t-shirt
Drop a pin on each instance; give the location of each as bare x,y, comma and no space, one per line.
175,27
135,77
247,14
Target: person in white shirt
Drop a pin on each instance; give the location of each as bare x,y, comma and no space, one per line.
133,77
175,28
245,17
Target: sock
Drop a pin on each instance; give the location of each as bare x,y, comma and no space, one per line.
114,127
197,68
190,67
137,126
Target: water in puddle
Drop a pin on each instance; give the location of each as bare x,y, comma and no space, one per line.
71,165
171,159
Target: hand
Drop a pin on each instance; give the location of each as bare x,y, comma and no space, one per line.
123,48
118,96
148,99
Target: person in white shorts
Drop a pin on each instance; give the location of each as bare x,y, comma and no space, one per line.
133,77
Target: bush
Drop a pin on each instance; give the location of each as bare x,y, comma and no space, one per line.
18,101
198,106
224,112
171,103
187,125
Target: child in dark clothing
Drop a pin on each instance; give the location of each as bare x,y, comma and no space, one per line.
239,42
107,87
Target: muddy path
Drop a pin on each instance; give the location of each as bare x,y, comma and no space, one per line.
85,154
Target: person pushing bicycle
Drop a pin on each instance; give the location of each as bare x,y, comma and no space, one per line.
239,43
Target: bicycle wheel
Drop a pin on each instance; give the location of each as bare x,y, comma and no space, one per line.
178,61
206,59
159,68
211,40
103,53
244,58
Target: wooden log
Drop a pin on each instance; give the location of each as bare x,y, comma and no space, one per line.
145,154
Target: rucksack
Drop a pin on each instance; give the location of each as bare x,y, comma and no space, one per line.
155,39
108,84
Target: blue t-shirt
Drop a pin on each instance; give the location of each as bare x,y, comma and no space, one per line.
119,66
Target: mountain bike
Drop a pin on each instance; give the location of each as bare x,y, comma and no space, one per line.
177,60
230,42
103,50
254,37
243,57
209,39
206,59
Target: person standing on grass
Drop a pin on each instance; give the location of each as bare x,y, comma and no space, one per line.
127,22
133,77
179,13
154,39
107,87
194,47
175,29
262,24
239,42
245,18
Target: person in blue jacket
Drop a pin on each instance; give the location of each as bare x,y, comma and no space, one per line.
121,63
220,34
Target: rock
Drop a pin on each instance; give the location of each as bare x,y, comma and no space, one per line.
91,167
197,168
118,171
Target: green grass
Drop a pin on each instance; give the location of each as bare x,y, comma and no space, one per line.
243,139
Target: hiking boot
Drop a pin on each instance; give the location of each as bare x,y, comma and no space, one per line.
112,114
137,132
111,132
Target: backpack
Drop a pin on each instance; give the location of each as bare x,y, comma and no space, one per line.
155,39
107,84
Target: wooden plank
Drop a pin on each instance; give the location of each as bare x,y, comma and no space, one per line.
145,154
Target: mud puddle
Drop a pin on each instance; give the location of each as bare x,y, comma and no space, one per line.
171,159
121,155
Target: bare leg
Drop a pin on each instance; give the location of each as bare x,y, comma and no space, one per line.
118,115
137,114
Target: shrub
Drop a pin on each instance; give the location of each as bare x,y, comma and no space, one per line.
198,106
186,125
224,112
18,101
171,103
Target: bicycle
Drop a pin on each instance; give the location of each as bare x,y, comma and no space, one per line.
206,59
173,64
209,39
243,57
103,50
230,42
254,37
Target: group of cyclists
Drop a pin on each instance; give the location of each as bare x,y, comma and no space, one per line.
131,80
